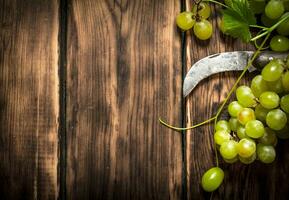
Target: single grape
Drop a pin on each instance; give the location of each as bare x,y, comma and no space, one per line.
234,124
276,86
203,29
212,179
246,115
246,147
257,6
269,100
245,96
279,43
272,71
223,125
255,129
269,137
283,28
285,103
229,149
204,10
241,132
261,113
234,108
267,21
221,136
283,133
285,81
258,85
248,160
266,153
276,119
231,161
274,9
185,20
221,26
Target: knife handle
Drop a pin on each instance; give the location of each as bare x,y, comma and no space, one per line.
266,56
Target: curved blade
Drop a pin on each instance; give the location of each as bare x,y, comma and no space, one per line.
221,62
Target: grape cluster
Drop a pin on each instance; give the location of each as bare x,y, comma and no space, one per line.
269,13
258,118
198,20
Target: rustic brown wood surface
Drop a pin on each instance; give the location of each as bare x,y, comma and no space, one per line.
82,85
124,71
28,99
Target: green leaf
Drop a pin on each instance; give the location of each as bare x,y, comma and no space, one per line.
237,19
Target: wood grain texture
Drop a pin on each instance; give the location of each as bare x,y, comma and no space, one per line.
28,99
124,71
257,181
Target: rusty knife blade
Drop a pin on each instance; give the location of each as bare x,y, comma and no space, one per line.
216,63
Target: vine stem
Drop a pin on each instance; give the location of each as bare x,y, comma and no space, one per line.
257,26
216,2
272,28
187,128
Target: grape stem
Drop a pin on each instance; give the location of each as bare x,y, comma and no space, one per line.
269,30
187,128
216,2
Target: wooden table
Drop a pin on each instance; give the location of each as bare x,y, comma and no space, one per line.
82,85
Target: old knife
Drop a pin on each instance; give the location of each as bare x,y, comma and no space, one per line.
223,62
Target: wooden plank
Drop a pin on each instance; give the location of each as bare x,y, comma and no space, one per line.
124,71
256,181
28,99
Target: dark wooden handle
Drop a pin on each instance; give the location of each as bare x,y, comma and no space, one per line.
265,57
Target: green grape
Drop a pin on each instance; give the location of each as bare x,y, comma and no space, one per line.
266,153
246,115
257,6
245,96
287,62
248,160
204,10
221,26
274,9
261,113
229,149
234,124
221,136
276,119
212,179
285,103
234,108
258,85
269,100
269,137
246,147
283,133
223,125
272,71
255,129
283,28
185,20
276,86
285,81
231,161
267,21
203,29
241,132
279,43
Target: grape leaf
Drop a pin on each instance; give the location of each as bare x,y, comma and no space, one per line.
237,18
